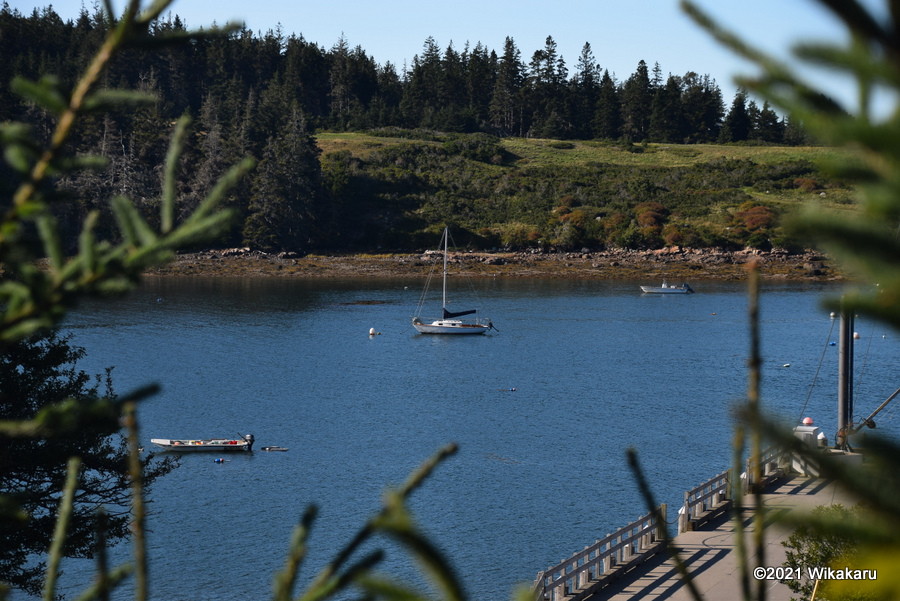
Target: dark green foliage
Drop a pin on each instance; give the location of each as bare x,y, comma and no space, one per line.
34,374
667,121
737,126
506,106
637,101
344,88
825,541
478,147
405,188
608,113
286,191
244,90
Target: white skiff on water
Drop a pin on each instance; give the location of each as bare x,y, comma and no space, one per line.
186,445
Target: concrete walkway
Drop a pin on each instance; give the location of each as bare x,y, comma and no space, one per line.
711,556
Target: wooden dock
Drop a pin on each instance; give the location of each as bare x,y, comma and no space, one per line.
709,552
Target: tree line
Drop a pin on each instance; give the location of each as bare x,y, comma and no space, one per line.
264,96
244,76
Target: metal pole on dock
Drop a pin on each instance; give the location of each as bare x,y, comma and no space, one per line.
845,378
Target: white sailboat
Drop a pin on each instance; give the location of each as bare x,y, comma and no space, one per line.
449,322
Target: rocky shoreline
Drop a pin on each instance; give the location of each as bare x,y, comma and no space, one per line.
674,263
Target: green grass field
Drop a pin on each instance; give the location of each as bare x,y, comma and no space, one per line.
543,152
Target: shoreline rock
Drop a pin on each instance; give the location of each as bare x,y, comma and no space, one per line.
672,263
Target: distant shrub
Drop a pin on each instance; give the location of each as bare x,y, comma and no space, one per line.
518,235
680,235
806,184
756,217
484,148
759,241
791,245
650,214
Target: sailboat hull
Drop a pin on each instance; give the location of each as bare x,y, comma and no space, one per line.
449,326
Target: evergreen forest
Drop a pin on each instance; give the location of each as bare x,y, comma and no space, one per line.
352,155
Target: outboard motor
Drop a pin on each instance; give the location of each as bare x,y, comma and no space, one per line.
250,440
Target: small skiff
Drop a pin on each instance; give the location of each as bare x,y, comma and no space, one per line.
219,445
667,288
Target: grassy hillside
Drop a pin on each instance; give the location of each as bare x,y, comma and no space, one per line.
574,152
396,189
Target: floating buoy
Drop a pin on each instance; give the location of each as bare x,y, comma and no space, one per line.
832,343
832,315
218,460
786,365
855,335
371,331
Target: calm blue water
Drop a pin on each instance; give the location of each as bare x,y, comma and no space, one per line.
596,366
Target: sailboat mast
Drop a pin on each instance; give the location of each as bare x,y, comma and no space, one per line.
446,246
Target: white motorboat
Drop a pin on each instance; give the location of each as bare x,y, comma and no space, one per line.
667,288
449,322
188,445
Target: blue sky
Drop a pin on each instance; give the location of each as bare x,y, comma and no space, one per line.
621,32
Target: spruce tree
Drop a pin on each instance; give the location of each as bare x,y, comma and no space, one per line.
636,104
737,125
703,109
419,102
385,106
36,373
585,92
753,117
339,63
608,115
480,73
451,95
506,99
769,128
547,101
286,191
307,74
667,116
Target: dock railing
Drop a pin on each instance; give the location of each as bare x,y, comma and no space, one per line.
774,463
587,571
704,502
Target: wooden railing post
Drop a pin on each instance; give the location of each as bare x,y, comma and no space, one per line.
663,523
